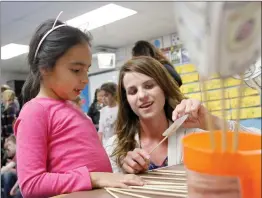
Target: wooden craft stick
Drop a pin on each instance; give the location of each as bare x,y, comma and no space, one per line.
158,145
171,130
154,192
239,101
160,189
171,174
224,125
118,190
168,171
165,178
166,186
150,182
208,118
111,193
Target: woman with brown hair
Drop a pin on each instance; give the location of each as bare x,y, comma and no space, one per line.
149,99
144,48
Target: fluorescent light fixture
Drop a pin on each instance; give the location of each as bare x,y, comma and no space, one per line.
11,50
105,60
100,17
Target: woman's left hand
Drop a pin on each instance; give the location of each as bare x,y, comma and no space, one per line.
197,113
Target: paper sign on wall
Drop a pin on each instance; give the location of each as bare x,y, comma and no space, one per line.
187,78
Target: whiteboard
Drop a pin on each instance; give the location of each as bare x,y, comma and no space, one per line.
95,81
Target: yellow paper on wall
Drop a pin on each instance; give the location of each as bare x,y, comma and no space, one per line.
214,76
188,88
187,78
232,82
187,68
248,101
213,84
247,113
249,91
215,95
217,105
219,114
232,92
194,96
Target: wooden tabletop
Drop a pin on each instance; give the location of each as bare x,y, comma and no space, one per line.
101,193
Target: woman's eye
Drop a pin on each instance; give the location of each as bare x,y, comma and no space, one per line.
149,86
132,92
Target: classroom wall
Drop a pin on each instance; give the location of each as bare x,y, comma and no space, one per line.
173,48
8,76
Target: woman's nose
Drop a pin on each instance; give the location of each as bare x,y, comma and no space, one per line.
142,94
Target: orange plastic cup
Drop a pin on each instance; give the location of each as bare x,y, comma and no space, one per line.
244,165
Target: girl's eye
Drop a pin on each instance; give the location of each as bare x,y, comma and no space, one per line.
75,70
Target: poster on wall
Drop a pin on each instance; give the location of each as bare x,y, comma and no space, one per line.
185,56
85,98
175,40
176,55
158,43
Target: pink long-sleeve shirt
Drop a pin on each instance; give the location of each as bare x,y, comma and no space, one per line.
57,148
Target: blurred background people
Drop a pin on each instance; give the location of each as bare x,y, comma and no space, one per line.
96,106
108,114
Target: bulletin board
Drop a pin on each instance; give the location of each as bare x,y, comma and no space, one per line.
251,103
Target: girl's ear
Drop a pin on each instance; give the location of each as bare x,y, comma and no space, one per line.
44,71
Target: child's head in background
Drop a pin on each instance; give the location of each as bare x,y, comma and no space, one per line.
59,58
10,146
109,90
8,96
78,101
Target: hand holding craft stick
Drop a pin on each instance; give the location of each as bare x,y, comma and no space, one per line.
170,131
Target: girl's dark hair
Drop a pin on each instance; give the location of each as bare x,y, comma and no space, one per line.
110,87
55,45
95,98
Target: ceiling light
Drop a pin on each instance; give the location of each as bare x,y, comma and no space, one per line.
99,17
11,50
105,60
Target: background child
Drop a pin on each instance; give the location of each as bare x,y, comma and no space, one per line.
9,186
96,106
108,114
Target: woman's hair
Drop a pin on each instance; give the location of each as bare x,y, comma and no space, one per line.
54,46
110,87
8,95
127,124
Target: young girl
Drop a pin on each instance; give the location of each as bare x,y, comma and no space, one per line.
108,113
58,149
148,98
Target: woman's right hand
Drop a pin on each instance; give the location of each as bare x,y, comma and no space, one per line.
136,161
115,180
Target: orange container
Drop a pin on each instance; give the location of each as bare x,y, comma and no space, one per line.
244,165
